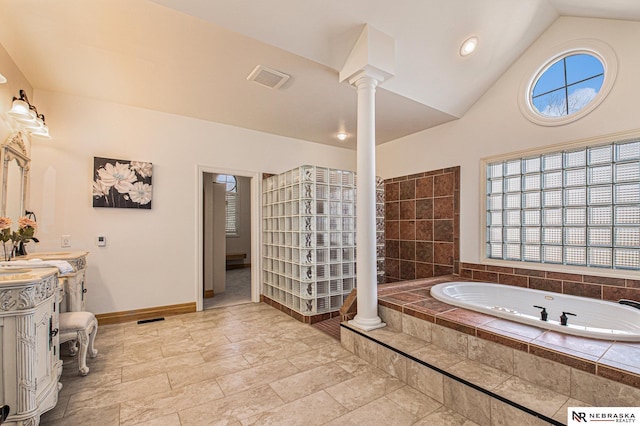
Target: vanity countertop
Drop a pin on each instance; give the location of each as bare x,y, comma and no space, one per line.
54,255
18,276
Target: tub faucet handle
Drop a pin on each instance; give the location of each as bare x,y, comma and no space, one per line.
543,314
563,317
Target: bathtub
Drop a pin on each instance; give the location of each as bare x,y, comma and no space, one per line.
594,318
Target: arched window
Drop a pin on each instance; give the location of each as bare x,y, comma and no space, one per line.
567,85
231,208
572,81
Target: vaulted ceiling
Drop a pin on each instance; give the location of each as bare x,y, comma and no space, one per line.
192,57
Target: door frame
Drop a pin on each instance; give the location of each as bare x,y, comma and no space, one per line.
256,235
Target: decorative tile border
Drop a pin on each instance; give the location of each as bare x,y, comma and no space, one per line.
593,286
307,319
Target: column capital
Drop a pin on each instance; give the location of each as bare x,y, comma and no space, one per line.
372,54
370,76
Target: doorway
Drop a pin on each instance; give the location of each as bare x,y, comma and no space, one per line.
228,246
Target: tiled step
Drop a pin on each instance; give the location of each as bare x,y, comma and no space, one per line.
482,393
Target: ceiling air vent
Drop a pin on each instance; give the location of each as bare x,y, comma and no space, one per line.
267,77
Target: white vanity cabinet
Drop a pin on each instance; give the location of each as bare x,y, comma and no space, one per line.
31,366
73,282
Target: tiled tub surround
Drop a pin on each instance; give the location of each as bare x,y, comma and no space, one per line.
564,313
484,394
422,225
544,371
613,367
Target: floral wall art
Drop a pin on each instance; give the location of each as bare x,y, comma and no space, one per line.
122,183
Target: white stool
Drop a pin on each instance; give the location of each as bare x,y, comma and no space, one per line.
81,327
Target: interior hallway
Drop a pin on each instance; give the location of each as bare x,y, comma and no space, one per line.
241,365
237,290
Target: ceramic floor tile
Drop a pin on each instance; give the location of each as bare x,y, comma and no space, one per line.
169,420
314,409
444,417
96,399
213,353
121,359
355,365
57,412
256,376
275,352
94,380
363,389
188,345
318,340
320,356
161,404
106,416
307,382
186,375
381,411
146,369
232,409
194,369
416,403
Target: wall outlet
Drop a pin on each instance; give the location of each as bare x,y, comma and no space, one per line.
65,241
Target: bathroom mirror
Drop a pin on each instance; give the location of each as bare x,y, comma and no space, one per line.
15,177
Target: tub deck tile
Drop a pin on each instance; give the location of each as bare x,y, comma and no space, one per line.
515,330
466,317
576,345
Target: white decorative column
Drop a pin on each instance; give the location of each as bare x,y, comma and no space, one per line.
370,63
367,316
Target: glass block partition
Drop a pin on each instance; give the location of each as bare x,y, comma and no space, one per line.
309,238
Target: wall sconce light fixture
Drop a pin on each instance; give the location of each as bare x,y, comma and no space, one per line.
26,115
3,79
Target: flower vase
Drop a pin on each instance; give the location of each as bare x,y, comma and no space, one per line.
7,249
21,249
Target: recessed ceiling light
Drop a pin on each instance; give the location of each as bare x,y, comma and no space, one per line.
342,136
469,46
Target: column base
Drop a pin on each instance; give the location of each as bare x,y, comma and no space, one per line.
367,324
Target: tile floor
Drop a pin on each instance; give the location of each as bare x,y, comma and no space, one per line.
241,365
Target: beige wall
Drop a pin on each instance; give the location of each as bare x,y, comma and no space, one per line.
150,258
495,125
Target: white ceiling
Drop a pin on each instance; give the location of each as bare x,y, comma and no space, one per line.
192,57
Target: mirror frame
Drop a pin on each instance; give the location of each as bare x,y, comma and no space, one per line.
14,148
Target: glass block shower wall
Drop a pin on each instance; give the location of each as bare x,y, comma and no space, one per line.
309,238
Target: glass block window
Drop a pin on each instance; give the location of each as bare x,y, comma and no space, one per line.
577,207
